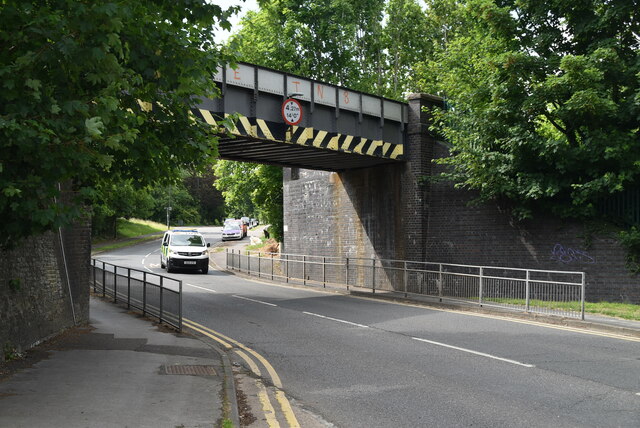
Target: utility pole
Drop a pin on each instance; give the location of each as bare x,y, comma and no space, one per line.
168,211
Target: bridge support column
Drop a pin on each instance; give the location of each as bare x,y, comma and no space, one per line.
416,184
378,212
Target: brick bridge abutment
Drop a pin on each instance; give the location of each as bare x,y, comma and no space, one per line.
397,212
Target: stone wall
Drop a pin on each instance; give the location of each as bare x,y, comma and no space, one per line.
35,297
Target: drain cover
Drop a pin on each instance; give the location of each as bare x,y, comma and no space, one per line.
190,370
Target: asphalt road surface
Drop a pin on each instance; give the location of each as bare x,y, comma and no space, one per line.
356,362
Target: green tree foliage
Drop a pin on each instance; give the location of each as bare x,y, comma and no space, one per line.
409,36
267,197
252,190
117,200
336,41
236,181
372,46
99,91
193,200
544,101
184,207
209,200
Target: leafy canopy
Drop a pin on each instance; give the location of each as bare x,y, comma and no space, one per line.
99,92
252,190
366,45
329,40
544,101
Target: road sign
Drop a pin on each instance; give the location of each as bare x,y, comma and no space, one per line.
292,111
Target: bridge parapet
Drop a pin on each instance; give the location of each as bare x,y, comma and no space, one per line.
340,128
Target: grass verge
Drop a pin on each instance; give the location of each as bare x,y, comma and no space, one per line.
134,227
625,311
128,242
126,231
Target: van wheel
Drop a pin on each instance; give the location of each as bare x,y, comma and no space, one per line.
205,270
162,266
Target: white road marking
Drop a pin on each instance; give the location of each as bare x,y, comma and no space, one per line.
201,288
506,318
336,319
253,300
144,259
482,354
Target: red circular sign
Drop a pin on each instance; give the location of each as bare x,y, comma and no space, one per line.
292,111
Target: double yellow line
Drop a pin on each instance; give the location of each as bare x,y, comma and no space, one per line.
250,357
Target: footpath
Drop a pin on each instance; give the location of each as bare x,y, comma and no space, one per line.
120,371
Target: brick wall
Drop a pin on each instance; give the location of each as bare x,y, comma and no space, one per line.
393,212
460,232
35,296
351,214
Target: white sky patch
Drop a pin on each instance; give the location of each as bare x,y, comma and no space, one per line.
248,5
223,35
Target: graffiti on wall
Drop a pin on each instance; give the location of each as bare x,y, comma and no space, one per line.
570,255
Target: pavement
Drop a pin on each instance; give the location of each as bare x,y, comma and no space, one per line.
123,370
120,371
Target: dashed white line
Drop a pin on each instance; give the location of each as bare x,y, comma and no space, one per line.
482,354
336,319
144,259
201,288
253,300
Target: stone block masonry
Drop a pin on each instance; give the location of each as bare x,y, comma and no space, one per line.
35,297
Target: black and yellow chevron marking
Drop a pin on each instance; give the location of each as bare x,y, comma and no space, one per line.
280,132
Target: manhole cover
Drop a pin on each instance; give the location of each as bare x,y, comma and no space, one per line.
190,370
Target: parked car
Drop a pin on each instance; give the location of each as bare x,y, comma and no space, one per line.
243,226
232,229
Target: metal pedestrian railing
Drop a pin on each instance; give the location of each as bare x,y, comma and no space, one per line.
155,295
532,290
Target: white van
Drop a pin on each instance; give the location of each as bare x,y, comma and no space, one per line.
184,249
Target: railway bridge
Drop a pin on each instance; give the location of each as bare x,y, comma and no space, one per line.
358,182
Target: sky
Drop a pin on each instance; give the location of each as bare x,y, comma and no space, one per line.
247,5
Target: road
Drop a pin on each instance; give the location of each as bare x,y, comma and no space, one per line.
357,362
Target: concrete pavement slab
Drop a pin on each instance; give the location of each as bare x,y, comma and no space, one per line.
122,371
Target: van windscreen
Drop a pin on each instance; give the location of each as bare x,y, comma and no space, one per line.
187,241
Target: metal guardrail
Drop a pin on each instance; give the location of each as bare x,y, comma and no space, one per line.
531,290
155,295
624,206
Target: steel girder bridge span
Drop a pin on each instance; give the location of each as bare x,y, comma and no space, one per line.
336,128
